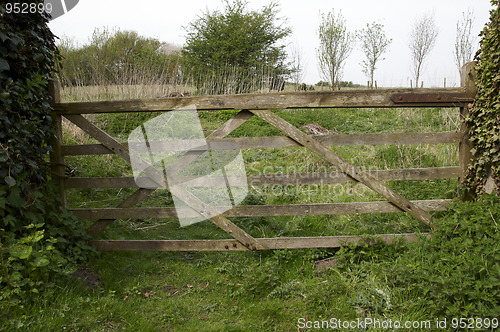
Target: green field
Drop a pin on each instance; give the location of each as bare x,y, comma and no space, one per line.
284,290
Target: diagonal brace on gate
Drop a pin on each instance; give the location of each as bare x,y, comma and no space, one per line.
222,222
344,166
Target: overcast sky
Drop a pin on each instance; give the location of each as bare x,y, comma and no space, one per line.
164,20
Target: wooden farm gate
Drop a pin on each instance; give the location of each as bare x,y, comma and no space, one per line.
260,105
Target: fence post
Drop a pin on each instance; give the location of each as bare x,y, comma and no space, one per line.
56,157
467,81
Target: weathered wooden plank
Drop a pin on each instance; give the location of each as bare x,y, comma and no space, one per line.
330,99
212,214
107,141
231,245
231,125
129,202
225,129
260,210
122,151
468,76
158,177
284,141
56,155
344,166
115,146
428,98
281,179
198,205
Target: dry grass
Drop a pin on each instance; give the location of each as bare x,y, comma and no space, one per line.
123,92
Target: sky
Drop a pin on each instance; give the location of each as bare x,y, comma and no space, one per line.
164,20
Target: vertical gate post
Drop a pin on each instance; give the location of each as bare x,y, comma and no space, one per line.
56,157
468,82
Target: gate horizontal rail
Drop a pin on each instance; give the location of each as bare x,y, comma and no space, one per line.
285,142
379,98
430,173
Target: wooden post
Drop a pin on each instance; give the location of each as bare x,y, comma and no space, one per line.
56,156
467,81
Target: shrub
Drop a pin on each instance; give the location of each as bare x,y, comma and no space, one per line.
456,272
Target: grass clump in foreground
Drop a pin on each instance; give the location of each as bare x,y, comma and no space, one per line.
455,273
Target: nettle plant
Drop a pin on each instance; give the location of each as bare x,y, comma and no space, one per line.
38,238
484,117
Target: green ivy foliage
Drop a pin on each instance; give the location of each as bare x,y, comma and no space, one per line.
454,273
484,117
38,239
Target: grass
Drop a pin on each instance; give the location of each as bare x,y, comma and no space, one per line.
251,291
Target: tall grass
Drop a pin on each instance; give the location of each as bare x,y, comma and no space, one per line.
111,67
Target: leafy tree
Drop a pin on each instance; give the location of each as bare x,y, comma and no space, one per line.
336,44
120,57
236,50
423,37
374,44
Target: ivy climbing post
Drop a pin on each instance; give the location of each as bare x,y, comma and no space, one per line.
483,120
468,76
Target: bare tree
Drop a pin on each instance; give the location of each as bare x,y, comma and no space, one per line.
336,44
423,37
464,41
297,64
374,43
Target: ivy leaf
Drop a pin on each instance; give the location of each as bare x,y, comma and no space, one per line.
14,198
4,65
40,261
37,236
3,36
21,252
9,220
10,181
38,57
